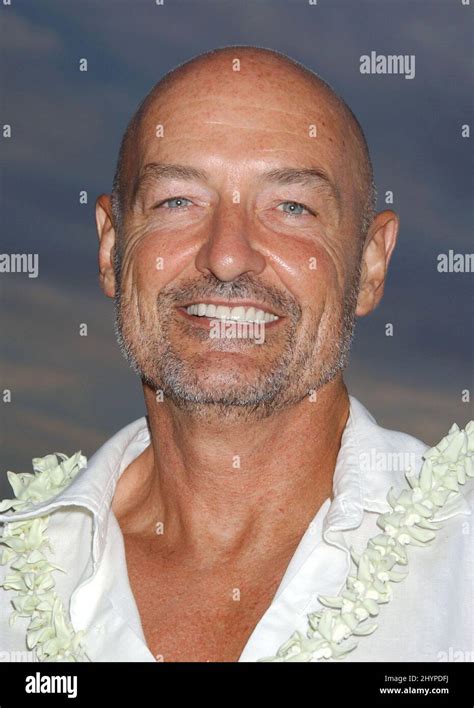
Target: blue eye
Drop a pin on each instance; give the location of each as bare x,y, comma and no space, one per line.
178,202
296,209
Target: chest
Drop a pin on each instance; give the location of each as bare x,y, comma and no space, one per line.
189,614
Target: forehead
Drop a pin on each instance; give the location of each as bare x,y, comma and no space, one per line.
240,119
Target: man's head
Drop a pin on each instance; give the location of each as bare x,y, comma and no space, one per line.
242,178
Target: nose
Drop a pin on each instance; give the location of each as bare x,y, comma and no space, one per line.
229,251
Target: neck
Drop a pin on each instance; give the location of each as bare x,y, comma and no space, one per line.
219,487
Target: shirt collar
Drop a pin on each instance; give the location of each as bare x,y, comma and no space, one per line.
361,480
94,485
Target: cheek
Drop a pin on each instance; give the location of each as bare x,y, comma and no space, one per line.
311,276
329,276
294,261
153,263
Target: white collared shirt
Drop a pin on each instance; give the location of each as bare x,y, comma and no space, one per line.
429,618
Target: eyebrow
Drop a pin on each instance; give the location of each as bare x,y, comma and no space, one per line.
155,171
312,176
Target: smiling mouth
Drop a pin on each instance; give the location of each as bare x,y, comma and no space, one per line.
204,312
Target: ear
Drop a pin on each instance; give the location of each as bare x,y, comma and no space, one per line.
379,245
106,234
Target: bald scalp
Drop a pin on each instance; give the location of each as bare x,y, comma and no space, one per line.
126,168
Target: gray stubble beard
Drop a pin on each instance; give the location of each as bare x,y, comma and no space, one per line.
160,366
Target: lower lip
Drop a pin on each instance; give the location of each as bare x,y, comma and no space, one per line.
205,322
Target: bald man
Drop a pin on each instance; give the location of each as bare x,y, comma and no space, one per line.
240,242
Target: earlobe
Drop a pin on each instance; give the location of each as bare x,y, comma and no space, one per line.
376,257
106,235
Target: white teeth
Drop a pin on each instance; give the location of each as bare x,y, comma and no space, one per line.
238,314
250,315
222,313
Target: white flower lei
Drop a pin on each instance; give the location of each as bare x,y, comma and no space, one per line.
49,631
412,521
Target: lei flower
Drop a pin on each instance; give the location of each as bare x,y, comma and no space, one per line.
411,521
49,631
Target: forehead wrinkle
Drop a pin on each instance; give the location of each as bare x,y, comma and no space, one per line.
253,128
313,109
244,105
